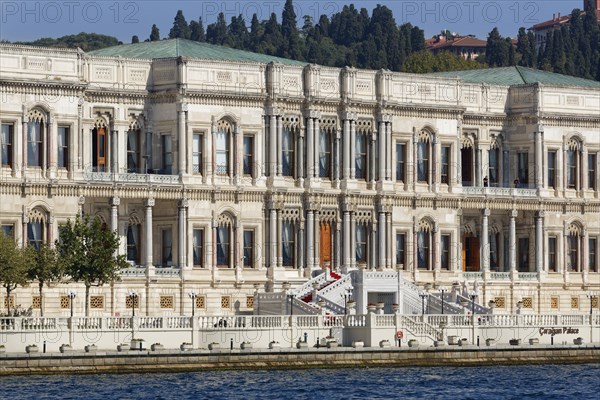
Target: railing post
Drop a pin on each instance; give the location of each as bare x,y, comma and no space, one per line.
71,330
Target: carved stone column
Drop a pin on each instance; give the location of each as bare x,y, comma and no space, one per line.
181,138
310,148
539,176
273,145
352,149
346,143
148,232
382,239
512,241
182,239
485,240
310,240
539,241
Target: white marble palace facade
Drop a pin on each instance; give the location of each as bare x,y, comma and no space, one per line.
231,177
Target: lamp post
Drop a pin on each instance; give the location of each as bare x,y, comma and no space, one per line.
473,296
72,294
133,296
591,296
291,297
428,287
347,295
422,296
443,290
193,296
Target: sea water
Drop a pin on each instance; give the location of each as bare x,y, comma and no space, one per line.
481,383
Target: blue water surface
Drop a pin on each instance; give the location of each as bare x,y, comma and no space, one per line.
481,383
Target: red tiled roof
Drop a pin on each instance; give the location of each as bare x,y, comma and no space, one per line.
465,41
558,21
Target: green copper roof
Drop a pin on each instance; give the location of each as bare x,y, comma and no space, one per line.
187,48
517,76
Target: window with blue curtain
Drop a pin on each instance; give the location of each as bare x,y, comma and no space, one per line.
552,169
523,169
423,246
324,154
360,158
133,151
63,147
223,244
571,169
7,144
401,249
422,161
361,243
167,154
287,152
493,174
288,243
445,252
445,170
198,247
248,248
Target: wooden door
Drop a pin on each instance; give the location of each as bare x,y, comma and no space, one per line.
470,253
101,149
325,245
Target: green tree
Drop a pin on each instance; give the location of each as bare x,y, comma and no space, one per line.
46,267
197,31
89,252
154,33
180,29
290,47
13,265
216,33
524,49
496,50
135,39
237,33
85,41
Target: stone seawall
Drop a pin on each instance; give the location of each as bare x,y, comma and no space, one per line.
197,360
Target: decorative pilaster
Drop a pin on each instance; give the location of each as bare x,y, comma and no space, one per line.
539,176
485,241
148,233
512,241
182,109
539,241
182,239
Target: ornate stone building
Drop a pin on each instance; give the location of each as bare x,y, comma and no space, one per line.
229,173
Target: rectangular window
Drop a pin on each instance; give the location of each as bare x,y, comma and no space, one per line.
361,243
198,247
248,248
571,169
289,243
592,171
8,230
7,144
401,249
445,164
593,262
223,243
167,154
35,234
167,248
523,252
445,252
133,151
552,254
287,152
552,169
523,169
360,159
63,147
494,170
248,154
197,141
400,162
133,241
34,143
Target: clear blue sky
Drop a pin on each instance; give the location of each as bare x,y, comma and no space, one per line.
28,20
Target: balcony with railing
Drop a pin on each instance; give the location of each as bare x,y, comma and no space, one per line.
159,176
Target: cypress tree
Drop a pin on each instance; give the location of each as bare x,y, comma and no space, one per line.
290,47
197,31
511,52
154,33
180,27
217,33
524,48
135,39
496,50
533,51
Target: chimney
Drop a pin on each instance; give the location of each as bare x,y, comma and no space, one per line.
553,17
558,16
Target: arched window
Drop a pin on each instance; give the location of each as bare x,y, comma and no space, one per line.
467,161
573,160
288,243
225,240
325,153
362,242
424,244
494,157
35,138
424,152
223,140
133,240
100,145
36,231
134,147
574,247
361,152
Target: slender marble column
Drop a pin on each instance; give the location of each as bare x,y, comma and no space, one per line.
273,238
181,138
279,145
300,158
346,141
148,232
310,241
316,146
310,148
273,146
539,241
347,239
539,180
485,241
389,149
512,240
182,239
382,141
352,149
382,240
